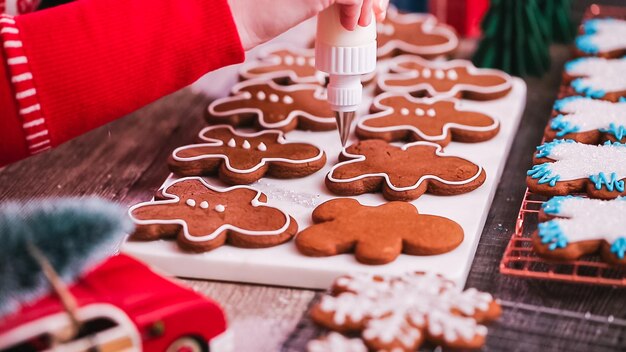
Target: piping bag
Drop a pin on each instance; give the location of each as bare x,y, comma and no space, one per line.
345,56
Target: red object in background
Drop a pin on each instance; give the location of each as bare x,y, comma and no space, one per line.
123,305
464,15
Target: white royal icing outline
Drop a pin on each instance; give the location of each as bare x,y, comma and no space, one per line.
238,95
354,158
213,142
226,227
404,73
387,110
427,20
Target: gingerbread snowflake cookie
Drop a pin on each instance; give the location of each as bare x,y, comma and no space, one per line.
596,77
564,167
604,37
571,227
202,217
456,78
294,65
376,234
400,116
335,342
402,173
419,34
399,313
587,120
267,105
242,158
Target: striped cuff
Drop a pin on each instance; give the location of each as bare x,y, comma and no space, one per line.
33,119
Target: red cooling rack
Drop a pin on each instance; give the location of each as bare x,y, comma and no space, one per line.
521,260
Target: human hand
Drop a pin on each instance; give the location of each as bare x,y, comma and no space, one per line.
261,20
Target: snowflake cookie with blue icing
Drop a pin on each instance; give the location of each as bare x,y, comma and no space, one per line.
597,77
565,167
587,120
605,37
571,227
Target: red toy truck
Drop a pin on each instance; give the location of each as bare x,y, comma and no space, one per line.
123,306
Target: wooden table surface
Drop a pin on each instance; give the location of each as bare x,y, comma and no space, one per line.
125,162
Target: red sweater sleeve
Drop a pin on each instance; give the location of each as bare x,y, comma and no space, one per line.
75,67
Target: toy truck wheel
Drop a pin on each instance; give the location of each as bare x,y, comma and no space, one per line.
186,344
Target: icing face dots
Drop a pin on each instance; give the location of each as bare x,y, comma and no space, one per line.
597,76
603,36
232,143
245,144
204,204
191,202
287,99
260,95
579,115
404,111
262,147
220,208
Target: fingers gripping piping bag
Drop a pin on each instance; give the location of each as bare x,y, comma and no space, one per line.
345,55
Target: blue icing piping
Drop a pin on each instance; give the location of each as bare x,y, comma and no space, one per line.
544,174
550,232
563,127
580,87
561,103
553,205
546,148
591,26
585,44
614,144
621,100
573,63
619,247
611,183
619,131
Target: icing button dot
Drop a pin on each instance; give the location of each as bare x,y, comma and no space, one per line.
287,99
439,74
420,112
274,98
260,95
246,144
404,111
232,143
431,112
191,202
289,60
262,147
204,204
452,75
312,61
300,61
426,73
220,208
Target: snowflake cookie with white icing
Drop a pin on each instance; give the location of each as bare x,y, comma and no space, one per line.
402,173
564,167
202,217
456,78
335,342
596,77
268,105
571,227
604,37
400,116
588,120
399,313
243,158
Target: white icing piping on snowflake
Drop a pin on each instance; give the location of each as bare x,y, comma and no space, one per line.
591,114
238,95
598,73
335,342
404,73
573,161
354,158
226,227
214,142
388,110
610,35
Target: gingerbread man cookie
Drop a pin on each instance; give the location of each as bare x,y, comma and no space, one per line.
400,116
456,78
604,37
587,120
268,105
202,217
376,235
571,227
564,167
243,158
402,173
289,63
596,77
399,313
418,34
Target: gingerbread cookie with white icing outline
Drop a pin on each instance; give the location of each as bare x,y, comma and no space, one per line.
571,227
596,77
267,105
565,167
399,313
202,217
376,234
400,117
603,37
402,173
413,33
587,120
243,158
455,78
291,64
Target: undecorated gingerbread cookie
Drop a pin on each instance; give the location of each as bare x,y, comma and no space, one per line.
201,217
604,37
400,116
267,105
571,227
587,120
418,34
456,78
399,313
402,173
376,234
243,158
289,63
564,167
596,77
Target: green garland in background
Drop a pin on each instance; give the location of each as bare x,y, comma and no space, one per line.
557,13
